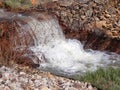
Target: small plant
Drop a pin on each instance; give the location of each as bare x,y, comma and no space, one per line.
24,4
103,79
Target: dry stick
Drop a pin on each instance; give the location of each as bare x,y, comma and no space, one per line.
9,52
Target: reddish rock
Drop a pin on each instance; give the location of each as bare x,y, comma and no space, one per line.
28,61
97,40
97,35
10,31
10,38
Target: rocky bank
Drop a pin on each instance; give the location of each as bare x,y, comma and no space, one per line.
96,22
24,78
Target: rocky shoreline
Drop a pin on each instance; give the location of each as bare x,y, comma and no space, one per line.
24,78
97,14
96,22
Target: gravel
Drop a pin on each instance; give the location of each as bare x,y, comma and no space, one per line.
29,79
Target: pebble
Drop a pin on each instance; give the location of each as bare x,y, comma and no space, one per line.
107,15
13,80
89,13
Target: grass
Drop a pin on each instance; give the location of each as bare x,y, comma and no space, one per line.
23,4
103,79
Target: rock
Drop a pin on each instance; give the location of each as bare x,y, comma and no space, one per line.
76,16
66,3
83,1
90,87
1,3
71,20
27,61
100,24
6,88
97,1
86,12
27,58
0,75
45,88
89,13
73,12
96,19
114,33
83,17
112,10
76,7
119,23
107,15
22,73
63,13
37,2
81,23
102,18
33,79
109,33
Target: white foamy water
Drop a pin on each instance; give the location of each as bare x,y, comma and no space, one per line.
46,31
65,55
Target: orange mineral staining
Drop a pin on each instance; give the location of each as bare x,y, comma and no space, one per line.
33,2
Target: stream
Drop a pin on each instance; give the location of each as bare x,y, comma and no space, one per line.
66,56
59,55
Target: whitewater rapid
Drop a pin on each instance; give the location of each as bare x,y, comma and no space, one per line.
55,52
65,55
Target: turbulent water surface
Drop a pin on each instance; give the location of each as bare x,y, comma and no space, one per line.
56,53
65,56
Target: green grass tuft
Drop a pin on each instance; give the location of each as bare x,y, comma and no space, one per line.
103,79
18,3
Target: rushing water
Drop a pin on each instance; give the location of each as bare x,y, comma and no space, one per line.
66,56
56,53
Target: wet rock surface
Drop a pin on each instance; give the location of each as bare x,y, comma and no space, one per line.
26,79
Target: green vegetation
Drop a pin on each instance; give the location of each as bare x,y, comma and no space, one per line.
18,3
103,79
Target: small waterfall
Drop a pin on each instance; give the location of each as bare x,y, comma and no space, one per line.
46,31
56,53
65,56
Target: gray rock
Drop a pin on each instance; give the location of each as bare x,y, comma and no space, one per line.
83,17
111,10
83,1
89,13
63,13
73,11
97,1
